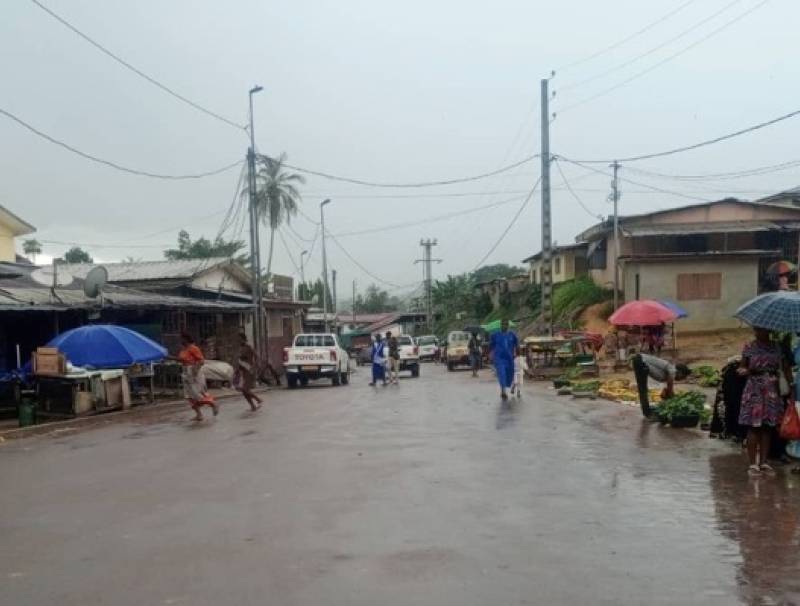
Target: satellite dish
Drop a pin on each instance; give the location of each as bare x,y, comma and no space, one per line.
94,281
51,276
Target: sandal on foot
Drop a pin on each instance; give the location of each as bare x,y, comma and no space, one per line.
754,470
767,469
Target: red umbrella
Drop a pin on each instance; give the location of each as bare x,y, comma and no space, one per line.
642,313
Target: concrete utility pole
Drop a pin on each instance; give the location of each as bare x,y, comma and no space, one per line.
333,296
324,265
302,272
615,199
255,248
547,232
354,303
427,275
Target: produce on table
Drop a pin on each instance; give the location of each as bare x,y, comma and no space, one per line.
706,376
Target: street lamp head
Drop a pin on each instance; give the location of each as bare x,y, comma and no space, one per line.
325,201
305,252
256,89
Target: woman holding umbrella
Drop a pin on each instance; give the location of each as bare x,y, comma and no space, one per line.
762,405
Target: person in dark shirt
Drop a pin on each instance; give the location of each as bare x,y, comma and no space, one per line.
394,357
474,353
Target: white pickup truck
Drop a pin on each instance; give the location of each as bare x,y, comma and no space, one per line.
409,354
316,356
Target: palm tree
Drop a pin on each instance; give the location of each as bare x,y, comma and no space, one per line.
277,197
32,248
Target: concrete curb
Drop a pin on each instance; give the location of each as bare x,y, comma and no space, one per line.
19,433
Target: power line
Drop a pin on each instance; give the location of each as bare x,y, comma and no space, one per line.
444,217
94,245
647,53
675,55
740,174
288,252
510,225
627,39
574,195
639,183
678,150
297,235
362,268
114,165
135,70
411,185
235,207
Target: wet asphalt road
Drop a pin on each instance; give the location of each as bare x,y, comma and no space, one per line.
427,493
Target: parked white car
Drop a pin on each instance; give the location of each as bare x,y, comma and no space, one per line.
316,356
409,354
428,347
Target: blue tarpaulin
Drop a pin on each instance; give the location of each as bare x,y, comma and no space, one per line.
107,346
680,311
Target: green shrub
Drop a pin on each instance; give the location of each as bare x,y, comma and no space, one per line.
571,297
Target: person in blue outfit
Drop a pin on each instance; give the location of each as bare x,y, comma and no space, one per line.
503,347
378,360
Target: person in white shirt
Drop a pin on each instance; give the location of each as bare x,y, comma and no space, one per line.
520,366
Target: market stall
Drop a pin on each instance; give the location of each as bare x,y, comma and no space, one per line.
85,370
549,356
649,320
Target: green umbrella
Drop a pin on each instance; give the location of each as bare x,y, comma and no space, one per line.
494,326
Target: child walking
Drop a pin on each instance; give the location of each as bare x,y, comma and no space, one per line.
520,366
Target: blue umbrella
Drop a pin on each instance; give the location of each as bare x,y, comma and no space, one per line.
774,311
107,346
679,311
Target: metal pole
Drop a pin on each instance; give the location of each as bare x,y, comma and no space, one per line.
615,197
302,273
354,304
333,296
255,249
547,234
324,265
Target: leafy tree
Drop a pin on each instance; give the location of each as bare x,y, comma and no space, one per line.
31,248
375,300
498,270
203,248
483,305
77,255
277,196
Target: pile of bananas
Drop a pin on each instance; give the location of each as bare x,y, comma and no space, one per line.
621,390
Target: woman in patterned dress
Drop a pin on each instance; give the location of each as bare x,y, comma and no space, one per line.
762,405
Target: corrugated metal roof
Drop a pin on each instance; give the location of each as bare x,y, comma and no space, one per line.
19,292
151,270
716,227
42,299
556,250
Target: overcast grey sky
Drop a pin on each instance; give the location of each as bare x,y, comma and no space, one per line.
398,92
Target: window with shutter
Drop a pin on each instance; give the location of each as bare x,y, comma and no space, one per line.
698,287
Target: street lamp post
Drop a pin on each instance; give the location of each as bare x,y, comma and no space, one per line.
255,249
324,264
